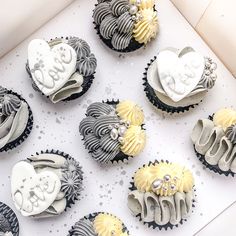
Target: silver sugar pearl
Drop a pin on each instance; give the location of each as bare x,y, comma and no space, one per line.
121,131
116,126
138,2
175,178
133,17
121,140
133,9
110,127
172,187
164,189
157,184
127,123
167,178
114,134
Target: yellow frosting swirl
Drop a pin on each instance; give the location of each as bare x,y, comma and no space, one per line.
134,141
107,225
164,179
130,111
146,28
225,118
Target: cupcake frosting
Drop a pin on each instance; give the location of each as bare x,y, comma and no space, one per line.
110,130
62,67
122,21
215,140
46,184
14,116
165,187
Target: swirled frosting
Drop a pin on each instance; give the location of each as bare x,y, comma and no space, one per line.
225,118
118,7
108,27
101,11
130,111
212,143
59,177
147,27
121,41
9,104
164,179
87,65
109,130
125,23
83,227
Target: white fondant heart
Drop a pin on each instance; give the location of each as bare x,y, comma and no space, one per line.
50,67
179,73
33,192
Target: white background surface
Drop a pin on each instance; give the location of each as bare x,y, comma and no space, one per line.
56,126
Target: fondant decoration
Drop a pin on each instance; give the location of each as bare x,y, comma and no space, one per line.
179,73
50,67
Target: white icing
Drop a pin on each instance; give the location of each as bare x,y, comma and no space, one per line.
32,192
179,74
50,67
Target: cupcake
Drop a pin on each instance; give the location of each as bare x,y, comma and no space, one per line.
177,80
126,25
46,184
161,194
16,119
62,69
9,225
113,131
214,141
99,224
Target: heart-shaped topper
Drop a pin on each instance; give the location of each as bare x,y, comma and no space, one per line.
52,67
179,73
33,192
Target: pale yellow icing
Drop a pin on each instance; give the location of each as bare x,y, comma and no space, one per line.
144,4
134,141
107,225
179,176
130,111
225,118
146,28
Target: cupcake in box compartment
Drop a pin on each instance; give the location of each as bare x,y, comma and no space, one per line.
61,69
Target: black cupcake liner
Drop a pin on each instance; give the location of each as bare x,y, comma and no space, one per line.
69,202
152,224
92,216
11,217
152,97
88,80
26,132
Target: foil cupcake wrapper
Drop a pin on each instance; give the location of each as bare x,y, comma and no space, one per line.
27,131
152,224
88,80
152,97
91,217
69,202
10,215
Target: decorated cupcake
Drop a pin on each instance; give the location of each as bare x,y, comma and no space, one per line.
9,225
113,131
16,119
61,69
161,194
99,224
126,25
214,141
46,184
177,80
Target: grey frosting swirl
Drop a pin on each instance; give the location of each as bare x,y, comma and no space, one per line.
86,66
9,104
83,227
81,47
125,23
118,7
231,133
96,130
121,41
3,91
101,11
108,27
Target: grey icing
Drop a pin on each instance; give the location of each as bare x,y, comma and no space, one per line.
96,129
211,142
12,126
72,86
121,41
101,11
83,227
118,7
69,172
3,91
231,133
9,104
160,209
125,23
86,66
108,27
81,47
